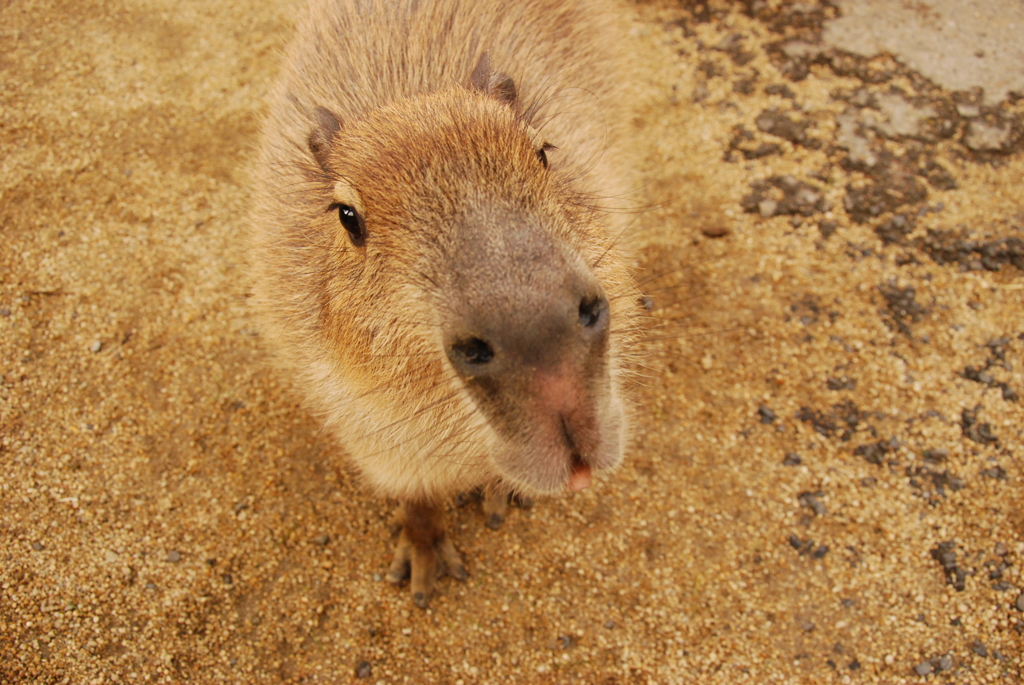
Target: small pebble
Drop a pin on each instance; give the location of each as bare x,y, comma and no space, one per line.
792,459
38,546
174,556
377,577
945,662
96,346
811,501
923,668
364,670
609,624
4,311
227,579
997,472
979,648
1020,602
321,539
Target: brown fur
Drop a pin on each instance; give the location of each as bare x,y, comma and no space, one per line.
429,118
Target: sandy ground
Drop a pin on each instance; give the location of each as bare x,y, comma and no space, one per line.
826,485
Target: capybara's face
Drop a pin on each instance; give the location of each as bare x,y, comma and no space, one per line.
473,292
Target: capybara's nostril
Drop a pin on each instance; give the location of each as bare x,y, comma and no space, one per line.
594,313
471,353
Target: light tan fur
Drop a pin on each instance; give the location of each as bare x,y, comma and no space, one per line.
419,151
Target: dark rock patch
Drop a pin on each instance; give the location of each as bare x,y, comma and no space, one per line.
779,124
902,308
945,554
979,432
875,452
784,195
890,191
947,247
896,229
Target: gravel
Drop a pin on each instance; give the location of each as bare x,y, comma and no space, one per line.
197,444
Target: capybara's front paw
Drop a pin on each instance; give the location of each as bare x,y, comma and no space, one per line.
424,552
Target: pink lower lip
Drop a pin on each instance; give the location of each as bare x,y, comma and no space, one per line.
580,477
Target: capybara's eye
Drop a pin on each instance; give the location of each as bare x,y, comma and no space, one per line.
353,223
542,153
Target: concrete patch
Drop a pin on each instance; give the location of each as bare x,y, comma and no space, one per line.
958,44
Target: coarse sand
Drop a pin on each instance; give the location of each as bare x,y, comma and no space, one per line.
826,480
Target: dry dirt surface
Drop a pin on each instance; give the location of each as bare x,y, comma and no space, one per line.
826,482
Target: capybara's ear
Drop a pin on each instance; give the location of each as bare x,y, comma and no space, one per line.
325,125
498,85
